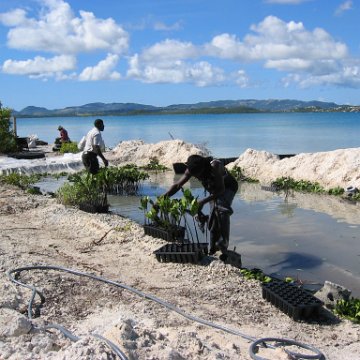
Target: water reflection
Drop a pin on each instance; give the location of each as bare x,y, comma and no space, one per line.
305,236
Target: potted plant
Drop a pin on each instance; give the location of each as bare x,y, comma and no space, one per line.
166,218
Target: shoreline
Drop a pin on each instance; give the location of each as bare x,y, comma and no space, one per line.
331,169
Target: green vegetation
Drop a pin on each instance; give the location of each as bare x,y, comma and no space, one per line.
154,165
7,143
255,274
336,191
123,180
287,183
69,147
166,212
21,181
85,188
349,309
207,110
238,174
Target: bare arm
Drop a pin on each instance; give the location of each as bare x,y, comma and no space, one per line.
178,185
97,150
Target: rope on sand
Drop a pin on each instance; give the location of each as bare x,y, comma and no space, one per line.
317,354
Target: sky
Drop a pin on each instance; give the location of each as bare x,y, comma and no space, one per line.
59,53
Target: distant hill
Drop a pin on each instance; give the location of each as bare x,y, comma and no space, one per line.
220,106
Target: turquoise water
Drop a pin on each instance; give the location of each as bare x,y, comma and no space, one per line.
226,135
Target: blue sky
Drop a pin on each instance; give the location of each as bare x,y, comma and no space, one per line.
58,53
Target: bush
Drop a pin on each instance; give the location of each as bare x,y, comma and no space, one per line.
288,183
22,181
84,188
155,165
349,309
93,189
7,143
69,147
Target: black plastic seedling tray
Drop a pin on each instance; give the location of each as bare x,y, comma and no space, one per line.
233,258
292,300
176,234
181,253
272,188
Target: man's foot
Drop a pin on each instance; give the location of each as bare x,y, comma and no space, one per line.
222,245
223,257
213,250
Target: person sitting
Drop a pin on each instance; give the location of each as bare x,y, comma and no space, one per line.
64,138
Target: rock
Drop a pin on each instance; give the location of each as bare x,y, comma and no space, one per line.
13,324
330,293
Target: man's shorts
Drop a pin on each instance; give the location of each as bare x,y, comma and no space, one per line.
90,162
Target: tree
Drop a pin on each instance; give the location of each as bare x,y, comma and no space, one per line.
7,138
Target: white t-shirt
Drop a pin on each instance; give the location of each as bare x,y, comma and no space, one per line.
94,137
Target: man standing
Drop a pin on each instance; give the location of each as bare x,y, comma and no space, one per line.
94,145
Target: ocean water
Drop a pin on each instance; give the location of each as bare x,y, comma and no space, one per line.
227,135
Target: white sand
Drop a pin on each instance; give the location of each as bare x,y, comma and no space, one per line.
330,169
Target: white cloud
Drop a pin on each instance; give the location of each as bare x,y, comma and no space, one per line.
283,46
102,71
160,26
242,79
13,18
345,6
169,50
40,66
201,73
171,61
306,56
57,30
274,39
347,75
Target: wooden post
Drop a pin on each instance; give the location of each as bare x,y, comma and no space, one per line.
14,122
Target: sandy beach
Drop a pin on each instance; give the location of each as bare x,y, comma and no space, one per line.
36,230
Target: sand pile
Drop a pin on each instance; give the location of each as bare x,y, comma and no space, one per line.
166,152
331,169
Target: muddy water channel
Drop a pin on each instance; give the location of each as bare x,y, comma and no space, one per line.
309,237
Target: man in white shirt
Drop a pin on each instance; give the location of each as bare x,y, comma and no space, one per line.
94,145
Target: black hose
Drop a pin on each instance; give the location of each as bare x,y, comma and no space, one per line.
285,342
255,342
75,338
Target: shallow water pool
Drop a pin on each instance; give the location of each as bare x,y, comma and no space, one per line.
309,237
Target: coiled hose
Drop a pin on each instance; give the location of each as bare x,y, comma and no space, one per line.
317,354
